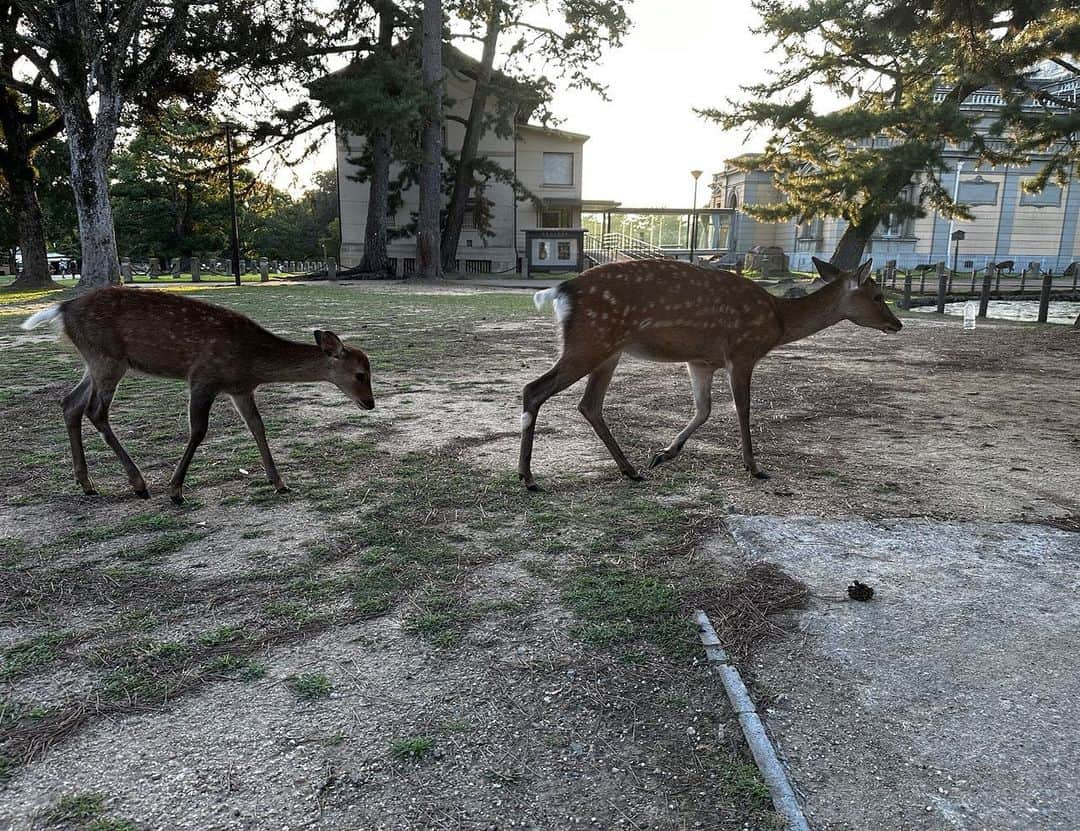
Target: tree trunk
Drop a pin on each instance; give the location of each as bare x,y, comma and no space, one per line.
463,180
90,142
427,236
35,272
849,251
375,259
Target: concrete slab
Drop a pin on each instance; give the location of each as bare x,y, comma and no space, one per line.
950,700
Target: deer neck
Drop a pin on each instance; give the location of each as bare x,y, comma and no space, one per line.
805,316
288,361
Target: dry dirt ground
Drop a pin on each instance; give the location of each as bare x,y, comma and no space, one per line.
410,641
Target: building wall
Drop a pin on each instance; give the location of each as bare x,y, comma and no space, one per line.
1006,225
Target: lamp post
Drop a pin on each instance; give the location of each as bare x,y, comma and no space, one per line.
693,216
952,222
234,230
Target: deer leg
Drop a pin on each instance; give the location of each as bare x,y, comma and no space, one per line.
202,398
701,378
739,376
98,412
245,405
564,374
592,407
74,404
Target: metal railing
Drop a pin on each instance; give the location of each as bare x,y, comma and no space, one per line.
615,247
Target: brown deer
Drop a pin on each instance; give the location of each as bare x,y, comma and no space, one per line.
665,310
214,349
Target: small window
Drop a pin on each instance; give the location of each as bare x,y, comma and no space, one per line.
558,168
555,218
468,223
564,251
391,219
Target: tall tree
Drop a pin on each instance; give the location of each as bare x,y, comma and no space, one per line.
96,57
570,42
428,261
906,69
26,123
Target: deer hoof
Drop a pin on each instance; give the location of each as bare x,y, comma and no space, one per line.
760,474
659,458
89,490
142,493
176,497
633,475
282,488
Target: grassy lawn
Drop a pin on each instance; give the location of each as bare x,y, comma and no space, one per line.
406,550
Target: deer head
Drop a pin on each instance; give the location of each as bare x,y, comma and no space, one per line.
860,299
347,368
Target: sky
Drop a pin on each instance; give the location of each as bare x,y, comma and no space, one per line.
646,139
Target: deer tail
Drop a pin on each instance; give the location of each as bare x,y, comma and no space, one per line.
557,298
44,316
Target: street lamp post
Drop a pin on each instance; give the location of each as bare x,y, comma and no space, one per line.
693,216
234,230
952,221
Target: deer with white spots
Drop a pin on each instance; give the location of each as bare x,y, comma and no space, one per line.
215,350
670,311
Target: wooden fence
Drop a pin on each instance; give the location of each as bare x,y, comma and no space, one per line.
936,285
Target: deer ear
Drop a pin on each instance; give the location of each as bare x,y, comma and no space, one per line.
859,276
329,343
828,271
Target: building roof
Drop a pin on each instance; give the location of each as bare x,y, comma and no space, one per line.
554,131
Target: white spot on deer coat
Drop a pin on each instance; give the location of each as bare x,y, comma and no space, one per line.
526,420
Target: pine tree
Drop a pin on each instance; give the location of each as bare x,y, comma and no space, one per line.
906,69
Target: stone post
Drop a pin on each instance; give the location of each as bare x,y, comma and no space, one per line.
942,287
196,267
972,281
176,268
155,268
274,269
1044,296
984,297
264,270
331,269
125,271
906,302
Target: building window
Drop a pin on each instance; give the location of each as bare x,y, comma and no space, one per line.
468,222
891,226
1048,197
811,230
977,191
555,218
558,168
564,250
391,219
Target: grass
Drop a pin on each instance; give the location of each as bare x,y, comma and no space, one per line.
310,686
38,652
76,807
412,749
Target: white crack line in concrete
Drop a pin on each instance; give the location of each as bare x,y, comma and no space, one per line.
761,747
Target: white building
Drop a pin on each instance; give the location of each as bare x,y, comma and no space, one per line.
547,162
1008,224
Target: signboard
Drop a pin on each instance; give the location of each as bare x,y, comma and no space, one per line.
553,249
